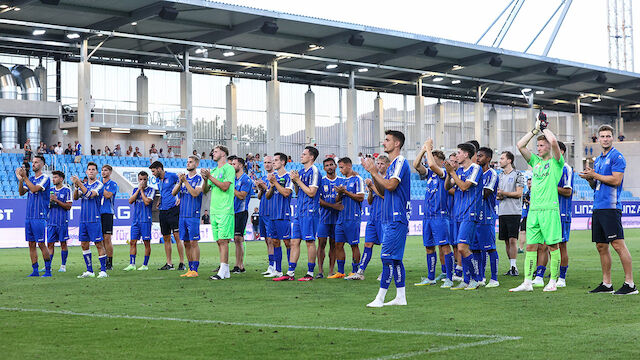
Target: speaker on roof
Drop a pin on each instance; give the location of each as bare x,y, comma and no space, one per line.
495,61
430,51
356,40
601,78
269,27
168,13
552,70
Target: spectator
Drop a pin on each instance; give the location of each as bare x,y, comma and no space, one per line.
93,152
153,147
68,150
130,151
621,137
289,159
169,154
117,151
137,153
58,149
255,222
160,154
42,148
52,150
78,148
205,218
107,151
203,155
27,151
211,154
594,138
154,155
99,153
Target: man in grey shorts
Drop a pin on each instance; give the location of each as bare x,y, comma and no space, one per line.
510,186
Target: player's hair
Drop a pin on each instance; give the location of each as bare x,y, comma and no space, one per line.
605,127
398,135
240,160
58,172
475,144
313,151
231,158
437,153
452,154
328,160
468,148
345,160
509,156
91,163
107,166
195,158
283,157
41,158
542,138
143,173
223,148
562,146
386,159
487,152
156,165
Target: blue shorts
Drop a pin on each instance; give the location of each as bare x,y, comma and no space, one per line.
57,233
189,229
348,231
435,231
280,229
34,229
466,232
327,230
452,231
566,231
485,238
142,231
373,232
394,237
264,227
90,232
305,228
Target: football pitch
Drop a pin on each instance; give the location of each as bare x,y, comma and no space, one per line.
158,315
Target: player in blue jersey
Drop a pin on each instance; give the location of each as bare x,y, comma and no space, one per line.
110,189
189,189
242,194
435,224
58,222
141,198
168,213
467,180
606,180
526,198
329,209
90,230
350,192
373,231
396,186
305,220
485,243
279,195
264,212
457,272
35,222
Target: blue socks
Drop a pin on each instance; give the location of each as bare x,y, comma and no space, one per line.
146,260
354,267
103,262
132,259
190,265
311,267
86,254
398,273
443,268
35,267
431,266
493,260
467,267
288,254
483,265
272,260
64,254
340,266
540,271
277,254
196,264
47,265
448,265
366,257
292,266
563,272
387,273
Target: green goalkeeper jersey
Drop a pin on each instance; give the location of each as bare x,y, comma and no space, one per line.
222,201
544,183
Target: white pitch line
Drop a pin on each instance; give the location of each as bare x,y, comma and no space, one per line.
220,322
447,348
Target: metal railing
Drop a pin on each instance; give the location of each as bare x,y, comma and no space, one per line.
164,119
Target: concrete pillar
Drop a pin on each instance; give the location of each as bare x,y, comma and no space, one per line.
531,117
231,124
578,146
478,122
438,134
310,117
41,74
620,120
351,126
378,123
494,136
273,111
420,133
142,94
186,105
84,98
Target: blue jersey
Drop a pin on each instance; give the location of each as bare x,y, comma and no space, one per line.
396,205
189,205
78,149
57,215
90,206
306,205
436,198
328,194
38,202
487,208
566,181
376,208
605,196
142,212
107,204
352,209
265,204
466,202
244,183
165,186
281,205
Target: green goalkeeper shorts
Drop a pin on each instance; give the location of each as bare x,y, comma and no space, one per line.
222,226
544,227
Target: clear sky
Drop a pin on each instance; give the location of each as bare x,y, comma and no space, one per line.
583,36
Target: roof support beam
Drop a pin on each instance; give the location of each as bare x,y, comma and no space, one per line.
138,14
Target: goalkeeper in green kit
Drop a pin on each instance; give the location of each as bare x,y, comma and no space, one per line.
543,220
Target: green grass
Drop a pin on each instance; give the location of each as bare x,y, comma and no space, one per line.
566,324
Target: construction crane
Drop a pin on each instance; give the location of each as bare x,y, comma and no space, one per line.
620,30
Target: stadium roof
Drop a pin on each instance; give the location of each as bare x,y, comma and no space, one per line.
153,34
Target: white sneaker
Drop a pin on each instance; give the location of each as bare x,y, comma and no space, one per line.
357,276
379,277
102,274
493,283
461,286
227,274
457,278
377,303
63,268
472,285
551,286
538,282
274,274
270,269
561,283
86,274
523,287
396,301
447,284
482,283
